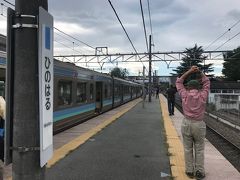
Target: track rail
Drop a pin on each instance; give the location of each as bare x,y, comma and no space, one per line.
225,147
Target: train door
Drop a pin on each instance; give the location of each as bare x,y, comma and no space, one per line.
99,98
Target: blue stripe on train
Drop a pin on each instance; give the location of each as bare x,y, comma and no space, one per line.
107,102
126,97
2,61
117,100
66,113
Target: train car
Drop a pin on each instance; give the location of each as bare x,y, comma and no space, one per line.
125,91
80,93
2,72
117,92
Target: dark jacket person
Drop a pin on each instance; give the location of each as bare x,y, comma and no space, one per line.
171,99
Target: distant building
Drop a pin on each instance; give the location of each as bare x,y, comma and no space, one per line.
156,80
225,95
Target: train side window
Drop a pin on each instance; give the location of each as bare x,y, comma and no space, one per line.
64,93
2,88
106,91
110,90
116,91
91,91
81,92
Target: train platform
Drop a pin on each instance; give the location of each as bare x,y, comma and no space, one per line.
129,142
133,147
216,165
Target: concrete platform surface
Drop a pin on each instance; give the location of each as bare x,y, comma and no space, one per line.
131,148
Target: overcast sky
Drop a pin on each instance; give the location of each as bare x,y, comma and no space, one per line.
176,25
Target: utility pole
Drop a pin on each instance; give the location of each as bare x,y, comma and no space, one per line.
143,86
150,69
26,133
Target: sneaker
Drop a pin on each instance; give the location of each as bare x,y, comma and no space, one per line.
190,174
199,175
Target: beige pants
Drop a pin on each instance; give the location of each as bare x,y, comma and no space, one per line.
193,133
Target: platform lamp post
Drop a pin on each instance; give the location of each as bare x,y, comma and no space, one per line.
143,87
150,70
26,138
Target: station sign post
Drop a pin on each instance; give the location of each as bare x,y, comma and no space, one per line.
46,76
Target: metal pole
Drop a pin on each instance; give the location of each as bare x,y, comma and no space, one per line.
26,138
150,69
143,86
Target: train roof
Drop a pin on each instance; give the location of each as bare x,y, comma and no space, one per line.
89,71
70,69
126,81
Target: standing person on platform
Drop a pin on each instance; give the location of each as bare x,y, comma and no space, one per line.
193,127
2,122
171,99
157,92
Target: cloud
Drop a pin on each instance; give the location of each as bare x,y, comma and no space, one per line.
72,28
177,24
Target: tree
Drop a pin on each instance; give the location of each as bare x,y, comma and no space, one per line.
119,72
194,56
231,66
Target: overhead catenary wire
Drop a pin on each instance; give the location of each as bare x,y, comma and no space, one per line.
144,26
62,31
73,38
67,39
9,3
228,30
3,5
150,22
126,32
227,41
150,19
231,57
68,46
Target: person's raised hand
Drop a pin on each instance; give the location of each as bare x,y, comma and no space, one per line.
194,69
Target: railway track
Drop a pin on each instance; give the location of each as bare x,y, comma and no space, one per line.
230,151
230,116
225,139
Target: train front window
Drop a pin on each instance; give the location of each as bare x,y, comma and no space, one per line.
81,93
64,93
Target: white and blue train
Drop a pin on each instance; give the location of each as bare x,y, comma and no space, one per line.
80,93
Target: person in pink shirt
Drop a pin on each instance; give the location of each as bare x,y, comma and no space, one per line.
193,127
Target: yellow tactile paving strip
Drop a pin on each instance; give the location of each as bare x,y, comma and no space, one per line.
175,148
67,148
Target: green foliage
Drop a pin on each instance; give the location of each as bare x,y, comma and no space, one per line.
231,65
119,72
194,56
